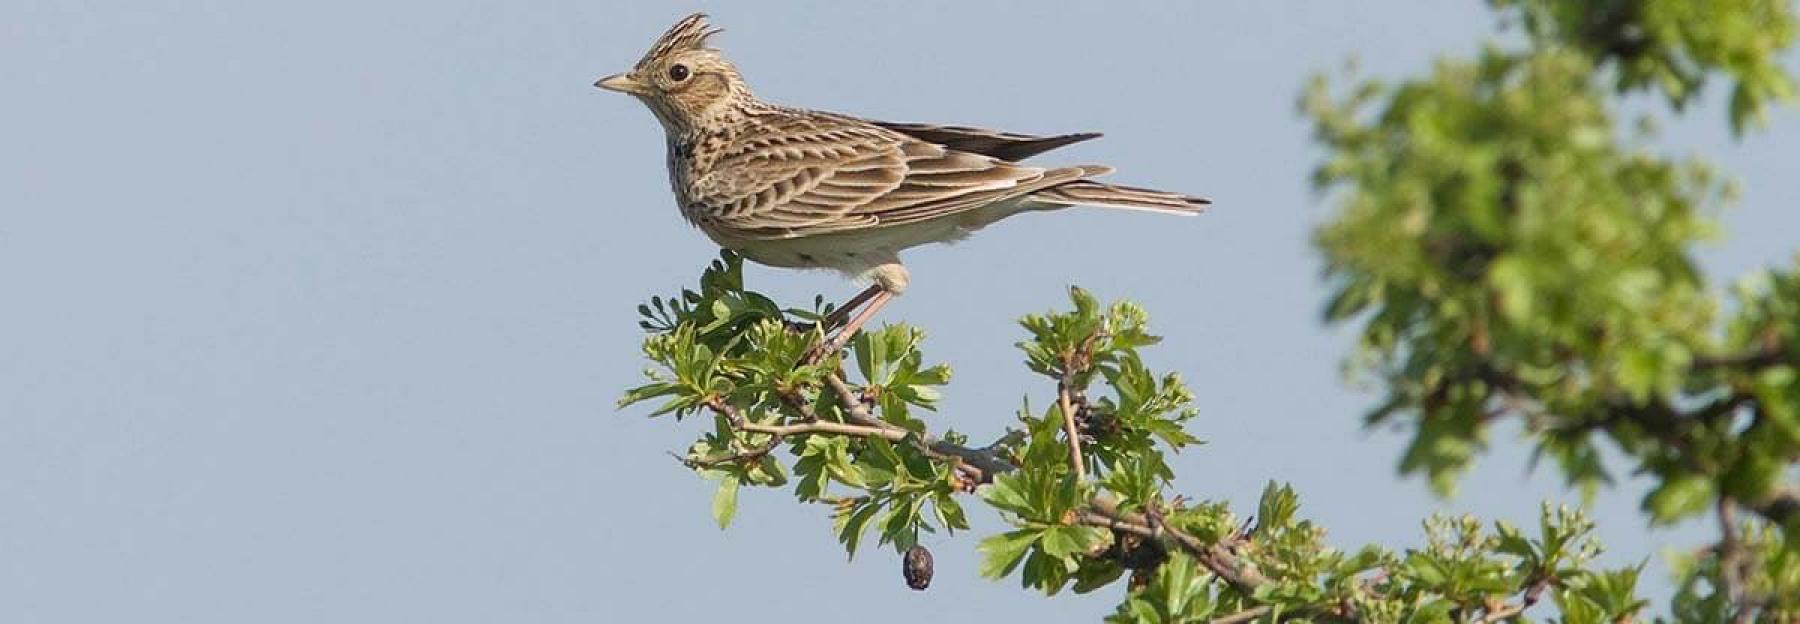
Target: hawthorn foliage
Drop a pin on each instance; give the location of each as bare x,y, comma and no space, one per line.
851,432
1506,252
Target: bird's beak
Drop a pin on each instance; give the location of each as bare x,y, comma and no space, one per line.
622,83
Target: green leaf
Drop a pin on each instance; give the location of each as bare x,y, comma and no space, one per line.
1426,570
1095,574
1432,611
812,479
1064,542
646,392
1002,553
1679,497
1004,493
871,349
949,512
1278,505
725,501
1578,609
1514,543
854,523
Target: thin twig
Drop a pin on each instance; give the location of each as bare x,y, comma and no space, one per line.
1067,404
1072,363
1503,614
825,427
853,405
1243,616
733,458
795,400
1533,594
740,423
859,413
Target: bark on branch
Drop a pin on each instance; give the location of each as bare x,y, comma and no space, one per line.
1217,558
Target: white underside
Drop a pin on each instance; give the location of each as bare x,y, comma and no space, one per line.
873,254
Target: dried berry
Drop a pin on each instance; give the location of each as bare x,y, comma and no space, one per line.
916,565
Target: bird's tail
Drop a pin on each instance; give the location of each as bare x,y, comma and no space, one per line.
1091,193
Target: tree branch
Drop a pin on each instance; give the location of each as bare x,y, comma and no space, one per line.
1504,613
935,449
824,426
1770,354
1666,424
976,465
1533,594
1243,616
740,456
740,423
853,405
1217,558
1731,563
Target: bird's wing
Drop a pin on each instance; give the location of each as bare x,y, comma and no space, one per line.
998,144
808,175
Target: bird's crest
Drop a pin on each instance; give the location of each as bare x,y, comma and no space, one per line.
688,34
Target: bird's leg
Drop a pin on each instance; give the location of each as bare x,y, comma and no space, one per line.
838,314
842,313
890,280
879,298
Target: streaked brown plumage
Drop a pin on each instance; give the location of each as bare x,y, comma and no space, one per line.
791,187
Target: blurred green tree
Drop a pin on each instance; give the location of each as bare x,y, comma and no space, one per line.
1504,254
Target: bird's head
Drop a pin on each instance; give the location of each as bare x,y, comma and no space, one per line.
683,82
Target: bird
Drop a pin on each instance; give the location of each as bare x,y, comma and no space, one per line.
799,188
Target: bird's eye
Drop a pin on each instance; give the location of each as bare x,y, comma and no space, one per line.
678,73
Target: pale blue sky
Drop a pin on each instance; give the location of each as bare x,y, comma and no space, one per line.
317,311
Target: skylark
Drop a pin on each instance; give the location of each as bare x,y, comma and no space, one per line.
790,187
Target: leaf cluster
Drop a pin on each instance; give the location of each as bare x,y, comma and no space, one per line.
1672,46
734,354
1507,255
